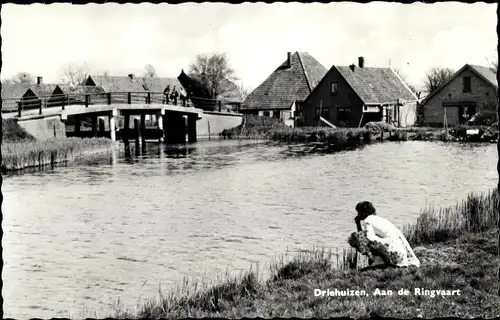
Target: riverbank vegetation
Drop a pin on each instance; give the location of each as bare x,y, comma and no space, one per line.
456,246
255,127
20,150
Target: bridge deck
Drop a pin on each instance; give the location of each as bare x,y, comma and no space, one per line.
103,108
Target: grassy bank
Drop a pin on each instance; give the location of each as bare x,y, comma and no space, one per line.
255,127
21,151
456,246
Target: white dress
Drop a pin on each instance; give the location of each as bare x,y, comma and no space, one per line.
381,235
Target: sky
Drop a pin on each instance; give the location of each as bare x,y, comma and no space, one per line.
122,38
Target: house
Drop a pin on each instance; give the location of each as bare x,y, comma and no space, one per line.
11,94
36,93
351,96
281,94
123,84
470,90
68,94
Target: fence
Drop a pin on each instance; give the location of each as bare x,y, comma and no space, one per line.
63,100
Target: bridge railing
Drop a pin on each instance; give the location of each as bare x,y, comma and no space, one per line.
87,99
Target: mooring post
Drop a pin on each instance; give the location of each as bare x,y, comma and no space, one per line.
112,124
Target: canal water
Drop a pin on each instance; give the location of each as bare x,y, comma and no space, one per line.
81,237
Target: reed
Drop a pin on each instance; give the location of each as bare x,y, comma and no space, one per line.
25,154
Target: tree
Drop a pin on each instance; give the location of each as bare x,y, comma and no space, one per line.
150,71
75,75
214,73
493,62
436,77
24,77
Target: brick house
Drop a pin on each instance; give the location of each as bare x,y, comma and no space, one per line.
470,90
353,95
281,94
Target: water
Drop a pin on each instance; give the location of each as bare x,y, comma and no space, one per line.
80,237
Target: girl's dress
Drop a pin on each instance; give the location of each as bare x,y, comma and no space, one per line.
380,235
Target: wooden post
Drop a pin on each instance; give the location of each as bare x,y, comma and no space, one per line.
149,98
143,128
78,125
87,100
191,124
102,127
126,128
41,106
220,106
94,125
137,132
109,97
129,98
19,108
112,124
55,133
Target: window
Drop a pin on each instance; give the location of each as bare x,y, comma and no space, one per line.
467,86
265,113
343,114
335,87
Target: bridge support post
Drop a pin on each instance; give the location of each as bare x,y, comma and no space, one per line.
78,125
174,126
159,117
143,129
191,127
126,128
102,127
94,125
137,134
112,124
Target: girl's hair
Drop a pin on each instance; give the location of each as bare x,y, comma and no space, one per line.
366,207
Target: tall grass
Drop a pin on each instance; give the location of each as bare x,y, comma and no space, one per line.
201,299
37,153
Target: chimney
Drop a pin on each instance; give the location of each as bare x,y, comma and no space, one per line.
39,80
353,67
289,59
131,76
361,62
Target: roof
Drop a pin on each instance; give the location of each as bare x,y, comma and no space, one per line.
67,89
14,90
118,83
287,84
376,85
43,90
487,74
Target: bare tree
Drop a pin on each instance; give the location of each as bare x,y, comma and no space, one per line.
75,75
150,71
243,91
436,77
24,77
493,62
214,73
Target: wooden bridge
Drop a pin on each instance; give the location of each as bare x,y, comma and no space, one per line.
170,120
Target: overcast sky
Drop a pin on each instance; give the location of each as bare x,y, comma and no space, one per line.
123,38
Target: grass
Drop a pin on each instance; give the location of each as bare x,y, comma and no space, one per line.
458,250
21,151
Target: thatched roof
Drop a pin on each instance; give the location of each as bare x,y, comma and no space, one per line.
116,83
376,85
11,93
287,83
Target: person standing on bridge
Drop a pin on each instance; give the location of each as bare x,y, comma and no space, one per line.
175,94
166,92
